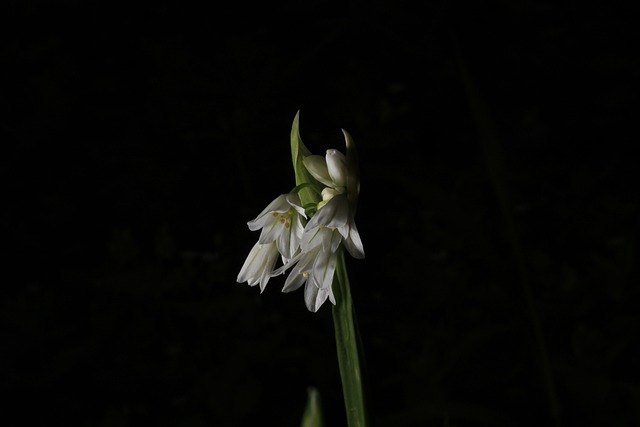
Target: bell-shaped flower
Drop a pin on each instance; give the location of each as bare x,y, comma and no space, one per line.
258,266
281,221
335,215
314,267
282,228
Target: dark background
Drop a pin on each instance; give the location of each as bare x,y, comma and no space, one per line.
497,194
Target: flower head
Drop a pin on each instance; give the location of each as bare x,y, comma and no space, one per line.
329,187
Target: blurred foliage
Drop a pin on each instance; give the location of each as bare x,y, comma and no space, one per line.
136,153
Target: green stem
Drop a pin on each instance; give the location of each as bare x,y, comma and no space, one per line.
349,346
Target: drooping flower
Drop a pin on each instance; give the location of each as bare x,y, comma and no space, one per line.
281,221
314,267
335,215
258,266
282,228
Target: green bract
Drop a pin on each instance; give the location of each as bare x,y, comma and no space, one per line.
298,152
353,178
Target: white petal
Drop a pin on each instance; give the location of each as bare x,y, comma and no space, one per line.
302,271
324,268
271,232
311,238
278,205
270,258
314,297
317,167
319,237
334,214
336,238
249,267
258,266
353,243
310,294
297,230
327,236
284,244
297,277
261,221
332,298
295,203
337,167
322,297
344,230
288,265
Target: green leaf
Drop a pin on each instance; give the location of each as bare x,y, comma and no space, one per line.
298,152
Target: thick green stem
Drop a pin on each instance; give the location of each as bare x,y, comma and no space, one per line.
350,356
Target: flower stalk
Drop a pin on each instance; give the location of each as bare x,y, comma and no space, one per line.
349,347
310,228
348,343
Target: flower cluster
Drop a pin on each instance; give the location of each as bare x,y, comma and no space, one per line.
308,242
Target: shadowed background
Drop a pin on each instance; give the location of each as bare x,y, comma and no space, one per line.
496,197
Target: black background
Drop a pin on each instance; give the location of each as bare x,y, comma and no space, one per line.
139,139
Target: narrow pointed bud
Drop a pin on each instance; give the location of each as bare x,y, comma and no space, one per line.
337,167
312,416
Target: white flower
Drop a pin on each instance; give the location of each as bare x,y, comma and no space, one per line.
259,265
335,210
311,251
336,215
282,229
331,172
314,267
281,222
